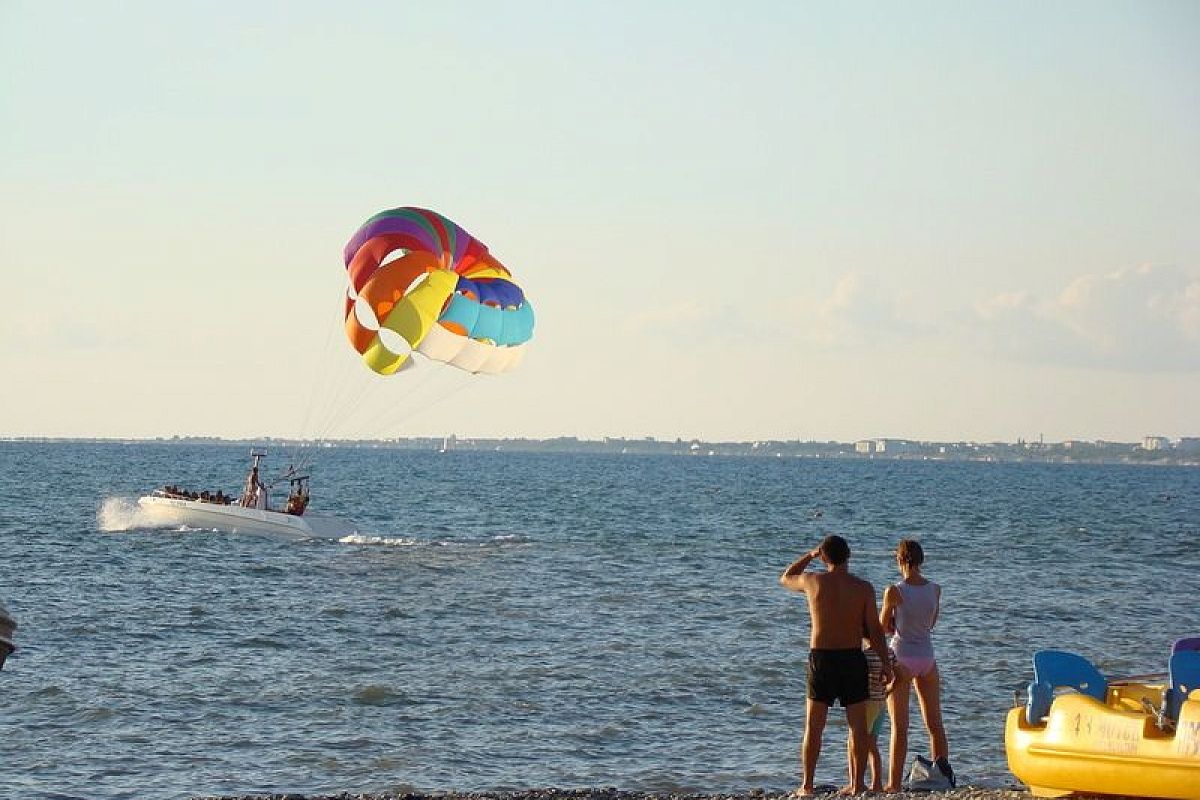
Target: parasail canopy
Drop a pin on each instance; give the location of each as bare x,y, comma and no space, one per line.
420,283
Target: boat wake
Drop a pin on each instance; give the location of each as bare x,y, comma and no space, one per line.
405,541
122,514
391,541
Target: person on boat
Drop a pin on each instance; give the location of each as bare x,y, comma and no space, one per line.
842,607
255,493
910,610
296,503
250,489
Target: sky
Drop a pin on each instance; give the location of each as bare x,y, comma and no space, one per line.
736,221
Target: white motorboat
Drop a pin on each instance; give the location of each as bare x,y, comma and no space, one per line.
251,513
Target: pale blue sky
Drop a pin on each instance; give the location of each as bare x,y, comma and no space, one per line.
735,220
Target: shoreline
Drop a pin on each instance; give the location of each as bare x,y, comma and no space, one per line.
935,452
608,793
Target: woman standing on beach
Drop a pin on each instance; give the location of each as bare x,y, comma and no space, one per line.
910,610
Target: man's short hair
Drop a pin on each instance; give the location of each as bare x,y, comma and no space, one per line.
835,550
909,552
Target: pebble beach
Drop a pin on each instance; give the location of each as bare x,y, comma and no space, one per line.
964,793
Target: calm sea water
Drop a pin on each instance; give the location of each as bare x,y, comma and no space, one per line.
519,620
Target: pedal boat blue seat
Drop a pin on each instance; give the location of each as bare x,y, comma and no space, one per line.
1058,669
1183,674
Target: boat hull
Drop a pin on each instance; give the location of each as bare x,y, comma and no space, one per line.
171,511
1090,747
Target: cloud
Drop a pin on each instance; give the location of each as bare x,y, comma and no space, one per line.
1140,319
864,312
683,314
50,333
1145,318
710,324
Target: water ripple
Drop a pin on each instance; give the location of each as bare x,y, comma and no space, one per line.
621,624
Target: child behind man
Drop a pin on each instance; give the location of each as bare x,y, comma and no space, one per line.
876,704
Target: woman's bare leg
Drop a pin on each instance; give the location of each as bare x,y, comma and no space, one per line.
929,696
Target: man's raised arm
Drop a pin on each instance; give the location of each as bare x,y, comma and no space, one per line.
793,577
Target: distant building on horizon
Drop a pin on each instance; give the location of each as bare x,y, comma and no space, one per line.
895,446
1155,443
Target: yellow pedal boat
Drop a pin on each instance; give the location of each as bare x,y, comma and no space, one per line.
1127,738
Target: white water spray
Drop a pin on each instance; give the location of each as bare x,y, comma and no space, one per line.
121,514
391,541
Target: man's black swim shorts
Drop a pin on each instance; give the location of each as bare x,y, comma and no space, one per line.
837,675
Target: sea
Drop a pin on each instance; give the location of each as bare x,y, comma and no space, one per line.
510,620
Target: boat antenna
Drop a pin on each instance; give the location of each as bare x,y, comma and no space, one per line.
291,474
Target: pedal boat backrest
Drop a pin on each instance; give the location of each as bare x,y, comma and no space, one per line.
1183,672
1058,669
1188,643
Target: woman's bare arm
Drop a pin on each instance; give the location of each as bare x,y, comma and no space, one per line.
887,616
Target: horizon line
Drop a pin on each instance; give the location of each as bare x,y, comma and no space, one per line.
600,440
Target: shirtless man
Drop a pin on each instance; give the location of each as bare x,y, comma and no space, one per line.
842,606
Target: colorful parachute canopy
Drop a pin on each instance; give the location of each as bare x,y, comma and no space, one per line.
419,282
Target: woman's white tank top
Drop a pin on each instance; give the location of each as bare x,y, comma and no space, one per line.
914,619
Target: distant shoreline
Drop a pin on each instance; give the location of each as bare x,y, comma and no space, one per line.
1186,454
